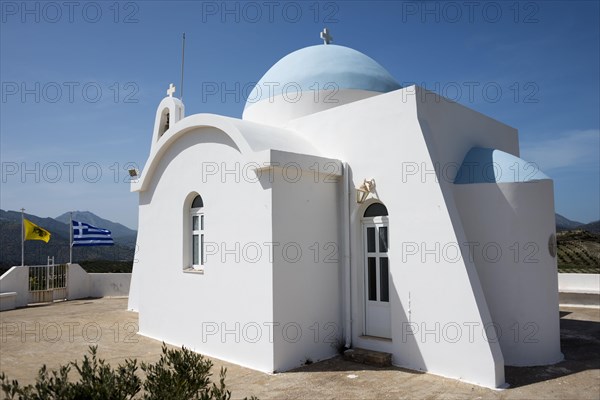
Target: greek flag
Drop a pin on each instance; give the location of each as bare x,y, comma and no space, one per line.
88,235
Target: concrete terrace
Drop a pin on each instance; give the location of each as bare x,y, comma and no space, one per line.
61,332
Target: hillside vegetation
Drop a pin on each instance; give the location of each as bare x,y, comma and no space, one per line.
578,251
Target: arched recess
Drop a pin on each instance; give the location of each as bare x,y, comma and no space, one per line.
165,120
375,244
193,232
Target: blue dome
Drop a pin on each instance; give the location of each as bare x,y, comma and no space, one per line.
323,67
483,165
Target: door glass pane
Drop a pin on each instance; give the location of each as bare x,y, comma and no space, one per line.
201,249
376,210
195,250
384,279
195,223
202,222
197,203
371,240
383,242
372,279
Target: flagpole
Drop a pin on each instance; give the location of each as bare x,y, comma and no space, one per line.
22,238
71,238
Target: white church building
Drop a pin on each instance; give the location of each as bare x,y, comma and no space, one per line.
345,210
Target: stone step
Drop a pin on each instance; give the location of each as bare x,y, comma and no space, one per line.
369,357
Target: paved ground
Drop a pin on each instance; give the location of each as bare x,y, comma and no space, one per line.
58,333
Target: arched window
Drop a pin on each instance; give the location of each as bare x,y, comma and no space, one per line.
197,232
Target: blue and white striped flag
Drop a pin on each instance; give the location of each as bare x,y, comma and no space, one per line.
88,235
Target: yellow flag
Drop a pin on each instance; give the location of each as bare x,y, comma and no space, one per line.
34,232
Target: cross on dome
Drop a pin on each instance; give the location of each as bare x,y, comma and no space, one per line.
171,90
327,38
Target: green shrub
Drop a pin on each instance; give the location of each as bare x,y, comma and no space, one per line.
182,374
98,381
179,374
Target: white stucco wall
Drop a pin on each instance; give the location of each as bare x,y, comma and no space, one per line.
216,313
382,138
80,284
109,285
508,227
307,280
579,283
134,288
8,301
451,130
16,280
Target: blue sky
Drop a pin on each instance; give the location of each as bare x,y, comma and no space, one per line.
81,81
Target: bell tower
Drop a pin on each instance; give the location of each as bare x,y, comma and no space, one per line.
170,111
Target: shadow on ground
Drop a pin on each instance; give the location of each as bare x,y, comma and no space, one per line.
579,340
580,344
338,363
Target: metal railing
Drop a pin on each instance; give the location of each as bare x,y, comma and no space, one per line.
47,282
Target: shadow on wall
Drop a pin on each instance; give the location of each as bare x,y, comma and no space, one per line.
406,353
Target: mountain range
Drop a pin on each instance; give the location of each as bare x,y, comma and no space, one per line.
565,224
118,231
36,251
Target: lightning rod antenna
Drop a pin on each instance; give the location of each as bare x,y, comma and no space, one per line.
182,63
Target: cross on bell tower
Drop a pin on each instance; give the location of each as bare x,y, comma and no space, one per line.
327,38
171,90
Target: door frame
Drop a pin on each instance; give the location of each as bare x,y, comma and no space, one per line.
367,222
